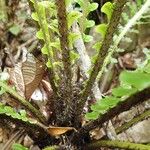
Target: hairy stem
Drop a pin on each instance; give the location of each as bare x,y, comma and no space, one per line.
124,105
116,144
24,102
102,52
32,129
63,30
134,121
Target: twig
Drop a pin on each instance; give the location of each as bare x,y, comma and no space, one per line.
116,144
132,122
13,139
24,102
102,52
35,130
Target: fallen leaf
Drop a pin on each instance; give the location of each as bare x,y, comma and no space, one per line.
56,131
16,77
47,87
33,71
26,76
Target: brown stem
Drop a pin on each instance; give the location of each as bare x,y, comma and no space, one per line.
118,8
24,102
116,144
121,107
63,30
132,122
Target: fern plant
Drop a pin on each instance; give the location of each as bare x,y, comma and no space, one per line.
131,82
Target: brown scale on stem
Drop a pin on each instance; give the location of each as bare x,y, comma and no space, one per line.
63,30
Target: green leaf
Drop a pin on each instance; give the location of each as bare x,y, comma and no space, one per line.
55,45
35,16
80,2
73,56
107,8
23,113
49,64
87,38
50,148
15,29
99,108
9,110
18,147
40,35
45,4
136,79
102,28
121,91
32,1
58,64
92,115
68,2
109,101
44,50
72,37
97,46
93,59
72,17
89,23
54,25
92,7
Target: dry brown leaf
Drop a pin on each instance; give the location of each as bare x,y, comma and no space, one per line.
33,71
47,87
29,69
16,78
56,131
127,61
26,76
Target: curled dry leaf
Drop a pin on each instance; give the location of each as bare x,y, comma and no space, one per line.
56,131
